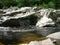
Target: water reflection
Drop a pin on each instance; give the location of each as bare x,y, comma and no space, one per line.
25,37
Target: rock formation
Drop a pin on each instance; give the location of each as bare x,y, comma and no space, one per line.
38,16
55,37
24,17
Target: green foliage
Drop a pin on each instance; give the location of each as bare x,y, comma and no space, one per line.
57,2
44,5
51,4
22,3
7,3
27,2
1,5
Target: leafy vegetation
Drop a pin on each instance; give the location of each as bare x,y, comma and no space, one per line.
22,3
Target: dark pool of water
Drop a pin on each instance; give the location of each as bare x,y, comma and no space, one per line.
26,37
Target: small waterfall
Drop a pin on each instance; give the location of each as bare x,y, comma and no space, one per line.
45,20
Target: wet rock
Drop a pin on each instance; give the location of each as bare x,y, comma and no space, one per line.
58,11
58,19
42,15
14,10
10,14
34,43
17,14
58,22
45,21
47,42
55,37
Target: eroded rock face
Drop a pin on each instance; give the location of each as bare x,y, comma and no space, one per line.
18,17
36,16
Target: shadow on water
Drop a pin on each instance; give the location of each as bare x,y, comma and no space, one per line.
15,38
25,38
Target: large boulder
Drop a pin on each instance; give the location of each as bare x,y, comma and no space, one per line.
55,37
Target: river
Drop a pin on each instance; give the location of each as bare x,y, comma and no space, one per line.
25,37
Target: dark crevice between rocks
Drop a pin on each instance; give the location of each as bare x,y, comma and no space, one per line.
49,26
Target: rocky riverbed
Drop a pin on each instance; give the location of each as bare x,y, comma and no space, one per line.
25,16
26,24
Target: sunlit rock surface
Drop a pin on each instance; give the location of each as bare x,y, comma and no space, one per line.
45,21
47,42
43,42
55,37
34,43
